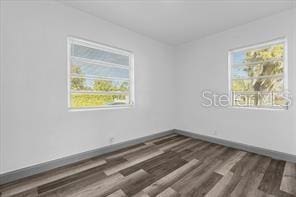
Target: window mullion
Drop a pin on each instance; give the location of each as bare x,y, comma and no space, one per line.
98,62
99,77
259,62
100,92
259,77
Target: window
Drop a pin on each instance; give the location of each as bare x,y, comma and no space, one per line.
258,75
99,76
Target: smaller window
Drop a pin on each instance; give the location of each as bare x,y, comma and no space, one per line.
99,76
258,75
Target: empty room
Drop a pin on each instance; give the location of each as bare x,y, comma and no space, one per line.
147,98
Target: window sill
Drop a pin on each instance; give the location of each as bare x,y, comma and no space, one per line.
260,108
101,108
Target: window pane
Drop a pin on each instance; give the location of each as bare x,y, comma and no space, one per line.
264,85
267,53
96,100
84,84
253,100
98,54
261,69
85,69
264,100
241,85
259,99
268,85
238,57
257,55
243,100
280,100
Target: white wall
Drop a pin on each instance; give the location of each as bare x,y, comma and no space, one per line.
36,126
202,64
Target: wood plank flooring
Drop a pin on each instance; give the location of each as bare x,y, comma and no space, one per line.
170,166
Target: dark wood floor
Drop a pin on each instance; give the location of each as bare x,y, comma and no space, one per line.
172,166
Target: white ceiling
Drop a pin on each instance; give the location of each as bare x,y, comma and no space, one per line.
175,21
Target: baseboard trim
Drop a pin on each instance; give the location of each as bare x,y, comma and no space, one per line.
241,146
43,167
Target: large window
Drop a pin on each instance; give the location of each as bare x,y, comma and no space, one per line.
99,76
258,75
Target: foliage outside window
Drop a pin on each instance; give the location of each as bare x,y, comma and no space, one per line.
99,76
257,76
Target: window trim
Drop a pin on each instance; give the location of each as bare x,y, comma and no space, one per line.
257,47
74,40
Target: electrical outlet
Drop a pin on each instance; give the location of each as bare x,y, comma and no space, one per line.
215,132
111,140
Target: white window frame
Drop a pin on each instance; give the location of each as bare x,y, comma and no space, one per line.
281,40
104,47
